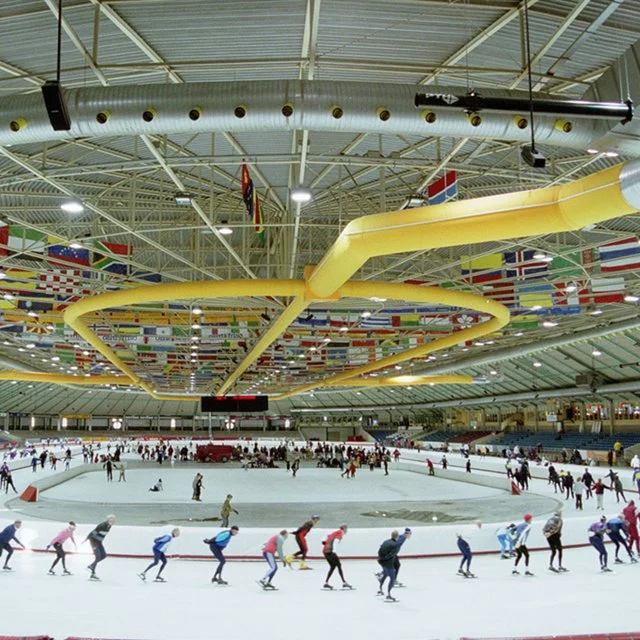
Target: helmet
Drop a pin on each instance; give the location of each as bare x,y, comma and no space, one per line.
528,517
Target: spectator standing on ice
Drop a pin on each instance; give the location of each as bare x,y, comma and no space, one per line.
226,510
578,489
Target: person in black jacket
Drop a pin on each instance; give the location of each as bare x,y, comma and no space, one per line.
96,538
301,538
387,554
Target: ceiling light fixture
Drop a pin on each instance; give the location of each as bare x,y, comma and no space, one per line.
72,206
301,195
225,229
182,199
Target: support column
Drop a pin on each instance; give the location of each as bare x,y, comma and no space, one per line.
611,417
59,424
583,410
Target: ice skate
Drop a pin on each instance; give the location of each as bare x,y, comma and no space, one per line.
563,569
67,573
379,592
504,556
327,587
553,569
390,598
462,573
618,561
269,587
159,579
222,582
633,560
605,569
304,566
142,577
347,586
93,576
528,573
515,572
468,574
51,572
399,585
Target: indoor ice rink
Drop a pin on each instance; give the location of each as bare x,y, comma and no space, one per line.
376,261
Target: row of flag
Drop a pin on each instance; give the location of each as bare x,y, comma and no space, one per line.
613,257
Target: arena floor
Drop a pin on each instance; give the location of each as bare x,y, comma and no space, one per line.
271,497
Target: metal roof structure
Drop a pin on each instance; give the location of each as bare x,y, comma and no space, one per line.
133,232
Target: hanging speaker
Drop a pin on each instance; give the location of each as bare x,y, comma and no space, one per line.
56,107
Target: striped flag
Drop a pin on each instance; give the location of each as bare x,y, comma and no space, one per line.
620,255
443,189
606,290
538,295
482,269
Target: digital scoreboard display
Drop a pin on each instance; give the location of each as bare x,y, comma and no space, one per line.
234,404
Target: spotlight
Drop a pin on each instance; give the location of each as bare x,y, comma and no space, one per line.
533,157
102,117
337,112
287,110
383,113
72,206
195,113
18,124
240,111
429,117
300,194
149,114
225,230
564,125
474,119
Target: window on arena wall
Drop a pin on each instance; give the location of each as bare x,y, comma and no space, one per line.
172,423
65,423
116,423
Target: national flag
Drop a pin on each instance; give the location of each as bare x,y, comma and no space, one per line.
406,320
252,202
34,301
18,280
482,269
464,320
620,255
535,295
524,321
375,322
147,276
569,265
64,282
577,294
61,253
443,189
106,256
502,292
17,239
522,265
605,290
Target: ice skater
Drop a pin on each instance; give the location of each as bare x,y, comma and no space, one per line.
96,539
387,554
618,534
6,536
332,557
506,538
465,550
552,531
402,538
8,482
226,510
631,518
108,465
197,486
522,533
58,544
301,538
160,545
596,539
217,544
598,489
273,545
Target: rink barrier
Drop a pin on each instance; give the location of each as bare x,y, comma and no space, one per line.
579,636
502,483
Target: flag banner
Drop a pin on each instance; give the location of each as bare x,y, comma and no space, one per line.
482,269
147,276
375,322
524,321
607,290
538,295
63,254
107,256
16,239
620,255
576,264
407,320
252,202
571,294
502,292
443,189
64,281
522,265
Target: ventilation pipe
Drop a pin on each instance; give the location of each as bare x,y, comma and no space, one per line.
274,105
